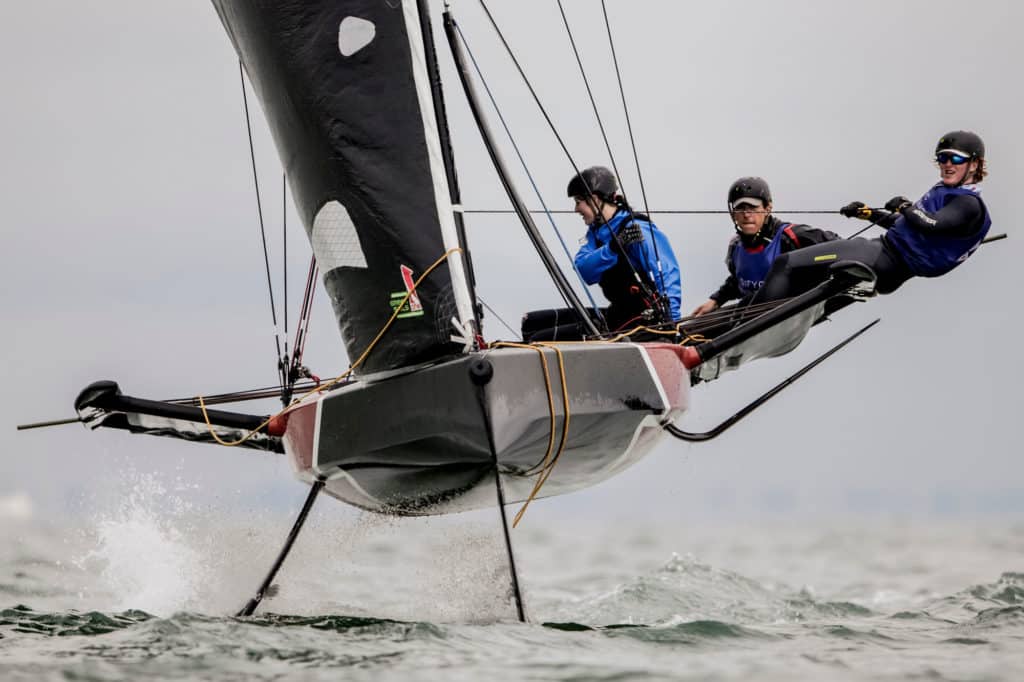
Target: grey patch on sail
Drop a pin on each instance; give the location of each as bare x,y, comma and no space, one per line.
335,240
354,34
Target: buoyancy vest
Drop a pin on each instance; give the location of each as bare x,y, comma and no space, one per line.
928,254
751,265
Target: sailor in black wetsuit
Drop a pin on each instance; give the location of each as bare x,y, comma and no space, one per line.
760,238
926,238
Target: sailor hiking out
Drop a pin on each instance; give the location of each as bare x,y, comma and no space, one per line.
760,238
624,253
925,238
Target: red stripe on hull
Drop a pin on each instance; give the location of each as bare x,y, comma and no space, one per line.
668,362
300,435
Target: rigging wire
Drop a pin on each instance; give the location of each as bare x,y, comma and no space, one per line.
497,316
529,86
240,396
284,259
660,285
522,161
667,211
296,370
632,139
263,232
640,281
625,108
590,94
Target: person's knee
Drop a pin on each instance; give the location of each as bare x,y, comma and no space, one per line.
779,264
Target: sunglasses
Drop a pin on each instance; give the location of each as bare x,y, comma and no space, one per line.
954,159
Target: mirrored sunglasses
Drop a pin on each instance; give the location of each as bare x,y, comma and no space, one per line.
955,159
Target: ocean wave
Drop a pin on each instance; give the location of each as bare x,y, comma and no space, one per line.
685,590
24,620
1004,595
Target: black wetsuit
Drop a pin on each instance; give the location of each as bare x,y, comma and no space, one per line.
805,236
793,273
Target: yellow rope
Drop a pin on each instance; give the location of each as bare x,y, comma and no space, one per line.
340,377
551,399
546,469
548,463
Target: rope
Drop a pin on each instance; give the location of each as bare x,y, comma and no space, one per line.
550,395
340,377
263,232
547,464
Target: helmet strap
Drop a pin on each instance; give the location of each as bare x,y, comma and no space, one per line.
751,239
968,172
597,204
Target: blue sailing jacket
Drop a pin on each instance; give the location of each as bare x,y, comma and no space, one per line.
930,254
750,266
596,259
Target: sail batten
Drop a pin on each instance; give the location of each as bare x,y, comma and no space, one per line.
345,88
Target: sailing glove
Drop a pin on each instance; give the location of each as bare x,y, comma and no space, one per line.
856,209
897,204
629,234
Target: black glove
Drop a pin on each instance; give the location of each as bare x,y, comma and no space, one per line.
631,233
897,204
856,209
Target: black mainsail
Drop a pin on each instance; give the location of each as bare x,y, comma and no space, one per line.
347,90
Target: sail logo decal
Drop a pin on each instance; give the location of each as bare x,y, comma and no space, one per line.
412,307
335,240
354,34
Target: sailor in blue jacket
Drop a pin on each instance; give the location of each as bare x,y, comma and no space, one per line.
925,238
623,252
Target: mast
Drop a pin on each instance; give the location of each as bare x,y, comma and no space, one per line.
444,134
568,293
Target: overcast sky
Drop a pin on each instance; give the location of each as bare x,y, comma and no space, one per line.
129,222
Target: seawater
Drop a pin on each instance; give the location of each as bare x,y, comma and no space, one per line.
146,589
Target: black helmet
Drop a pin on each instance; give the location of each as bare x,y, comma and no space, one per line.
594,180
749,188
963,142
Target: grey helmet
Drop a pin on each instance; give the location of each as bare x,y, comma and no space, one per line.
594,180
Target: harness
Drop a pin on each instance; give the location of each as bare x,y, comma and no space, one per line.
628,298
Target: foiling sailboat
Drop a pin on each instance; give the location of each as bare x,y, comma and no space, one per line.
431,418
